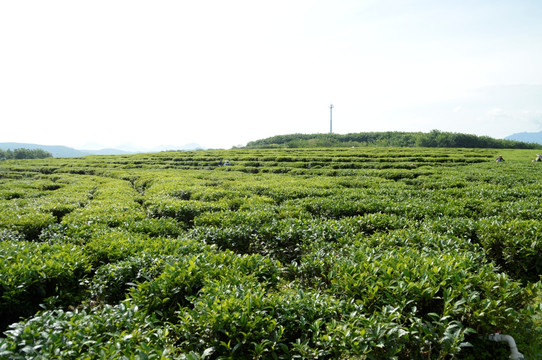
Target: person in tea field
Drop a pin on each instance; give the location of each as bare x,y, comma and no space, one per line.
220,162
499,158
538,158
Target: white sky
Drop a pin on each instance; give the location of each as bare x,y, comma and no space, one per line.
222,73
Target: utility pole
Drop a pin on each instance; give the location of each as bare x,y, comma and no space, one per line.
331,119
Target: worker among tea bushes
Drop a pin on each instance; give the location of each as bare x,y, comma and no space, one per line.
499,158
538,157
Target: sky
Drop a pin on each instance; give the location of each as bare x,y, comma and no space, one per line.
121,73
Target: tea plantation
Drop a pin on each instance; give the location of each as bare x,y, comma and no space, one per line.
365,253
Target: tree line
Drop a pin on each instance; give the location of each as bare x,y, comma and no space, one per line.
24,154
434,138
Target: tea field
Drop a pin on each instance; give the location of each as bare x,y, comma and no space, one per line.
365,253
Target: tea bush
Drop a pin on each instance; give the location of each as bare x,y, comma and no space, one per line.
28,223
109,332
112,281
515,245
183,211
39,273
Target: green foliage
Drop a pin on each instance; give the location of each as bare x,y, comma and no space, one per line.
183,211
182,279
515,245
432,139
38,273
24,154
113,280
336,253
109,332
232,319
28,223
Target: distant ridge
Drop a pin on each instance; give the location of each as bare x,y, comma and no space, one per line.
534,137
55,150
65,151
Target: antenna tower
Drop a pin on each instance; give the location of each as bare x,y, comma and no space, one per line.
331,119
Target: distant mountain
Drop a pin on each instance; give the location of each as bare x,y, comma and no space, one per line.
192,146
65,151
107,152
56,150
59,150
526,137
138,149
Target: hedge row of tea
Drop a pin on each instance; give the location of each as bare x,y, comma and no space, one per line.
321,253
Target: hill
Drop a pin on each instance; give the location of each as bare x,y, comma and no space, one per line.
65,151
432,139
59,150
527,137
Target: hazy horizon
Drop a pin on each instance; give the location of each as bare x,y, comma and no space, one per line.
221,74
